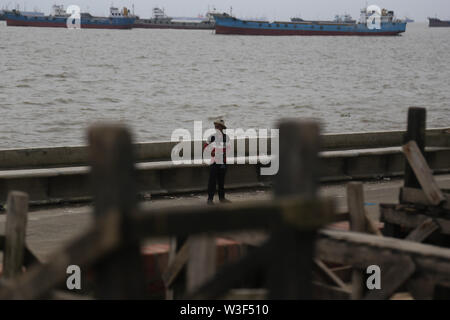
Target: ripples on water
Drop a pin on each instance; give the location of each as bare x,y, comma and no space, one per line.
55,82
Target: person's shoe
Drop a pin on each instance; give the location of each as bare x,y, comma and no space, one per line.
225,201
210,202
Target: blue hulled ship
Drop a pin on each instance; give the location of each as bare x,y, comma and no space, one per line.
372,23
118,19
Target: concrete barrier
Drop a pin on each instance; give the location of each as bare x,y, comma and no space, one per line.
53,185
161,151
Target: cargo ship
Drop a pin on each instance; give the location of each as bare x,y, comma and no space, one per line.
160,20
435,22
389,26
118,19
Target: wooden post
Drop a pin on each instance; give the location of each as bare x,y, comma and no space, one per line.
171,260
289,274
355,202
416,132
202,261
175,266
15,232
120,275
177,289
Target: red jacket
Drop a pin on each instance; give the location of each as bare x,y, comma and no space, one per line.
222,150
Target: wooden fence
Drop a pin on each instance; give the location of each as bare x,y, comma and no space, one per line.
423,212
112,247
300,258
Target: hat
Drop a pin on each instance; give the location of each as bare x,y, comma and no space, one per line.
220,122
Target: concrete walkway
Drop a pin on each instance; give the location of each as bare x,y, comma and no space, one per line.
49,229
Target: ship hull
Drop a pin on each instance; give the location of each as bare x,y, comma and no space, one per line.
265,32
13,20
226,24
174,25
437,23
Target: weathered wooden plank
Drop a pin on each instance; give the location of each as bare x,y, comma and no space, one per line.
201,262
29,257
329,274
432,263
359,221
37,282
172,255
178,287
423,231
410,219
423,173
15,232
121,275
355,203
302,213
417,196
415,132
176,264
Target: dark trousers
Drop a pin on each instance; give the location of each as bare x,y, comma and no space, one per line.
216,177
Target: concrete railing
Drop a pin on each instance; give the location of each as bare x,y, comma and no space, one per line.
51,175
53,185
161,151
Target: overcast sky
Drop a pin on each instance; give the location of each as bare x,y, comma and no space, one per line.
271,9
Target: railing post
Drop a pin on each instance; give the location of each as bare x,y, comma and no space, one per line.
120,275
415,131
15,232
290,271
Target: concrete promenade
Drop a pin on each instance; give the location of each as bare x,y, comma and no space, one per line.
49,229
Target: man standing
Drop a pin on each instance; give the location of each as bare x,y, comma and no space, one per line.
218,144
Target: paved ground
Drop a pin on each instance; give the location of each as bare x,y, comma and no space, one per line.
51,228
